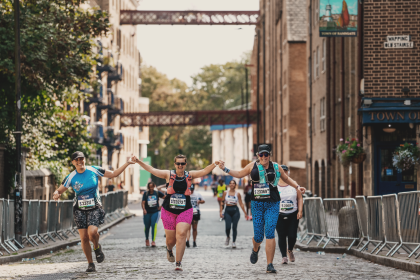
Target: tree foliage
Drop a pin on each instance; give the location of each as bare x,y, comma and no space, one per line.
57,58
215,87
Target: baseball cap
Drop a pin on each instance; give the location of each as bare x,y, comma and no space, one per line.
264,148
77,155
285,167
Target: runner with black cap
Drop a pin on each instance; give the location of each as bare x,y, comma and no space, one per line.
196,200
87,208
265,200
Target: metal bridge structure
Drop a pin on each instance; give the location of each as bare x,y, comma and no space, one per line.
135,17
189,118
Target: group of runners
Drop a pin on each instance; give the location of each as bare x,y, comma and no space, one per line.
274,198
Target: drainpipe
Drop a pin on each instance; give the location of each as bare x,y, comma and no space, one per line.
334,62
258,88
328,119
342,90
359,96
264,81
310,94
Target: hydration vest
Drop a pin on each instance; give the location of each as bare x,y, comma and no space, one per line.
172,178
262,174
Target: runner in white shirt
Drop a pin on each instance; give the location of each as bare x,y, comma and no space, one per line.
196,200
291,207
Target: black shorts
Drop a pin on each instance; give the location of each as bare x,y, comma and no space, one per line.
86,218
196,217
247,198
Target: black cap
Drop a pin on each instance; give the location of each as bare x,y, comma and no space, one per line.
264,148
285,167
77,155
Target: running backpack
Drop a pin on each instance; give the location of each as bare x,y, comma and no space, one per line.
172,178
261,171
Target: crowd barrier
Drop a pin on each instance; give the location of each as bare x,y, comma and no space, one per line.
44,221
384,222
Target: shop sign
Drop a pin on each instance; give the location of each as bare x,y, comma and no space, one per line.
338,18
391,117
398,42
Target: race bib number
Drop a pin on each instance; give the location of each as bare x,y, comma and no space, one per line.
195,210
231,200
262,191
178,201
152,201
86,201
286,205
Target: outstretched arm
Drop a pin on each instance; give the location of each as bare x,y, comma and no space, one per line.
115,173
289,180
237,174
164,174
203,172
300,204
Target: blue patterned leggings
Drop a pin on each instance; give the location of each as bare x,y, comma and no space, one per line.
264,218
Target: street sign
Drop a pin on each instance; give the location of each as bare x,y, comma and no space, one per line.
398,42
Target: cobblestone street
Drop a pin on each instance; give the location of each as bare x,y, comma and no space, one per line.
127,257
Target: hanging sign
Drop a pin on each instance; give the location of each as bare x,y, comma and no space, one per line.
337,18
398,42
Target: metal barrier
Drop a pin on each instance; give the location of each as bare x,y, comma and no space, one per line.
52,220
314,210
363,219
408,204
390,222
375,222
341,220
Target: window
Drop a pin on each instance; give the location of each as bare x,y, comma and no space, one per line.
317,61
314,71
324,52
322,115
314,120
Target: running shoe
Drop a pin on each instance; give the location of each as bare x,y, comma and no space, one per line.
100,257
291,255
170,255
284,260
227,241
178,266
91,268
254,255
270,268
153,244
233,245
147,243
194,244
250,218
188,244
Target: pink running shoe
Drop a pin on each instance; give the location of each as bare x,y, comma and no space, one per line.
291,255
284,260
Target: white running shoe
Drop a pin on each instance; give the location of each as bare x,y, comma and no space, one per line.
233,245
178,266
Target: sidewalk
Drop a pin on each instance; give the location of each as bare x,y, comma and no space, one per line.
399,261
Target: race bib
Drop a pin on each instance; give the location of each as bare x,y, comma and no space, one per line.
262,191
152,201
86,202
230,200
195,210
286,205
177,201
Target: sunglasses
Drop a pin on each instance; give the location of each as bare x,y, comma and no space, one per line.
79,159
265,154
180,163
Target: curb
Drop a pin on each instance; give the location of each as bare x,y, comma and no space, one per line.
43,251
387,261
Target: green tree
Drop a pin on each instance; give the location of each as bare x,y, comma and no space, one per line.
57,58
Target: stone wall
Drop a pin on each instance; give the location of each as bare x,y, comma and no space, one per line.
39,184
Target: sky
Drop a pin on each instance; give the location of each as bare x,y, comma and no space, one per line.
336,6
180,51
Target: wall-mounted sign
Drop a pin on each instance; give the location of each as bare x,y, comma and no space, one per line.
398,42
391,117
338,18
389,172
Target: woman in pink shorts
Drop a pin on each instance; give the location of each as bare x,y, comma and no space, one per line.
177,211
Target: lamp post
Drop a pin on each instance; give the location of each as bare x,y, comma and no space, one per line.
18,131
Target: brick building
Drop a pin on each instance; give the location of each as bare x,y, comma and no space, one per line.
279,82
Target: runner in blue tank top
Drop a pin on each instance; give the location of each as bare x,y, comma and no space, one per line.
87,208
265,200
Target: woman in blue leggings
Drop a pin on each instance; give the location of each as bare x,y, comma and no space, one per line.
151,211
265,200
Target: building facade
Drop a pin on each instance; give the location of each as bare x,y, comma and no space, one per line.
279,82
116,91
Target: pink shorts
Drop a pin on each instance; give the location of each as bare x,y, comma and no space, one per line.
170,220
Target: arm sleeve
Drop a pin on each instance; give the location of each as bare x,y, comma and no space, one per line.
144,197
66,182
